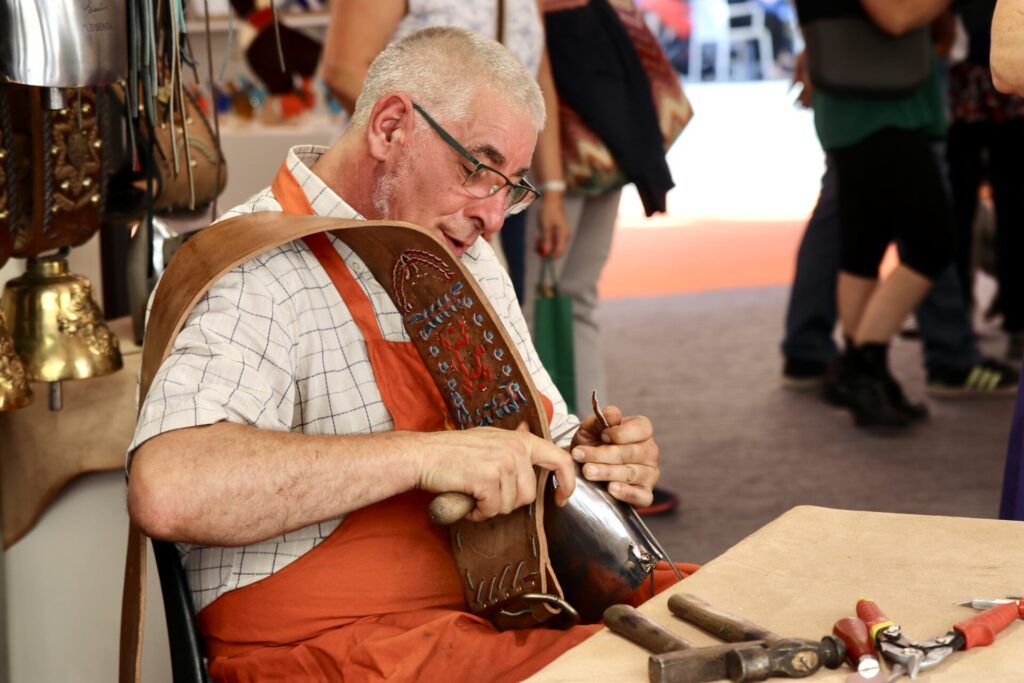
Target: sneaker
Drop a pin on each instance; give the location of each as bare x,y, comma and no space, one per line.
803,374
987,378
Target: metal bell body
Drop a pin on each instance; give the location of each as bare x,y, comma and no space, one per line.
15,391
57,327
601,553
63,43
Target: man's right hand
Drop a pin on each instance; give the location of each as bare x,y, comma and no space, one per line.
493,465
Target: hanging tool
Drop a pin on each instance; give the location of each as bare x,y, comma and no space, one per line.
860,651
911,657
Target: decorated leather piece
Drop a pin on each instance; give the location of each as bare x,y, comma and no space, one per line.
57,179
483,381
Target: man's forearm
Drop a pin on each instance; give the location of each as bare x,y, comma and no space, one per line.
229,484
1008,46
900,16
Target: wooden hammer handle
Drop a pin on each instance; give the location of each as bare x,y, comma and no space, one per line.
450,507
719,623
639,629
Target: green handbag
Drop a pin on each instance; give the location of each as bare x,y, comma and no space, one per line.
552,333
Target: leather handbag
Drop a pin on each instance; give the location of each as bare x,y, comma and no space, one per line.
852,56
849,54
590,168
552,336
190,170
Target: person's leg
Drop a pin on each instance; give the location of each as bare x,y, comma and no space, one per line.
890,303
578,273
808,345
943,318
513,245
1006,152
859,381
953,362
965,170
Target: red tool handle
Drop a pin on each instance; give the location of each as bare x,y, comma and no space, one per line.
981,629
875,618
854,633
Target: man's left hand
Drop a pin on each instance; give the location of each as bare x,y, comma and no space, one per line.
624,455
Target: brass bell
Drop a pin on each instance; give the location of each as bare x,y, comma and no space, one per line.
57,327
15,391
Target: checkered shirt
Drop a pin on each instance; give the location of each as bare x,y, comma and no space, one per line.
272,344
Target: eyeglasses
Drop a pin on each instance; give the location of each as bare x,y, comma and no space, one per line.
483,181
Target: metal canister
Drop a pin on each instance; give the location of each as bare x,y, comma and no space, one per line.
600,549
63,43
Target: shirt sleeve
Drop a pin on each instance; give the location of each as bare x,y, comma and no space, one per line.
232,361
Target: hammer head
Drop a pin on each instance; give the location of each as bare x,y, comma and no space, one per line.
740,662
788,658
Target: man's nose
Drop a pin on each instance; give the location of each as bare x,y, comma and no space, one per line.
491,211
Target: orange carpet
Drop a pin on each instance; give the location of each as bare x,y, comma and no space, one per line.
666,255
662,256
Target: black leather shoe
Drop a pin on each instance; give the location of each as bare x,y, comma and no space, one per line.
867,399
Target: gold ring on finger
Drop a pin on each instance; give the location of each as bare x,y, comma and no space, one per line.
634,473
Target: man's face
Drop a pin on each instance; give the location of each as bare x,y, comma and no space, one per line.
425,186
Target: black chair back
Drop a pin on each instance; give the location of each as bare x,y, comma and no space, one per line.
187,662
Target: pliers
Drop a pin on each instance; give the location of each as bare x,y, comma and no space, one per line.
911,657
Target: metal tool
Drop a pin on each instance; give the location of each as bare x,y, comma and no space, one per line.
830,650
637,519
860,651
743,662
983,604
911,657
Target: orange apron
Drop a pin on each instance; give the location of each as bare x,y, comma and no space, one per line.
380,598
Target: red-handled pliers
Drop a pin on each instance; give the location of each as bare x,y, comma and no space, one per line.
911,657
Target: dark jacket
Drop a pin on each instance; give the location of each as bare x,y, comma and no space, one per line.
598,73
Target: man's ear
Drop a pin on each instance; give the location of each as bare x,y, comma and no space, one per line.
390,125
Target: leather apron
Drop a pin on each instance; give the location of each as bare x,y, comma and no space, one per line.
381,597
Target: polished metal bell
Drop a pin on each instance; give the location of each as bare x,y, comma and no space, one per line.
599,547
57,327
63,43
15,391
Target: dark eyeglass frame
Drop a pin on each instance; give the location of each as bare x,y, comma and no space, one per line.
527,191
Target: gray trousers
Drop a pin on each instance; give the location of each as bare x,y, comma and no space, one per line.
592,220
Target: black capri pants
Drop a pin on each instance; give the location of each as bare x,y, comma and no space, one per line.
890,187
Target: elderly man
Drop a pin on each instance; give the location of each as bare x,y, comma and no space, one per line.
276,444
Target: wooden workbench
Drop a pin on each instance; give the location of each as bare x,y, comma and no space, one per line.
800,573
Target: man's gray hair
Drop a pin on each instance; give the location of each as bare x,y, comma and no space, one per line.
443,68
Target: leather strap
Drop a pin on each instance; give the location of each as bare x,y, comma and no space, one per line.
496,390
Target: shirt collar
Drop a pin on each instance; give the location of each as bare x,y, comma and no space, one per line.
322,198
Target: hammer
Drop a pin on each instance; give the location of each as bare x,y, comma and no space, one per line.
676,660
829,652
